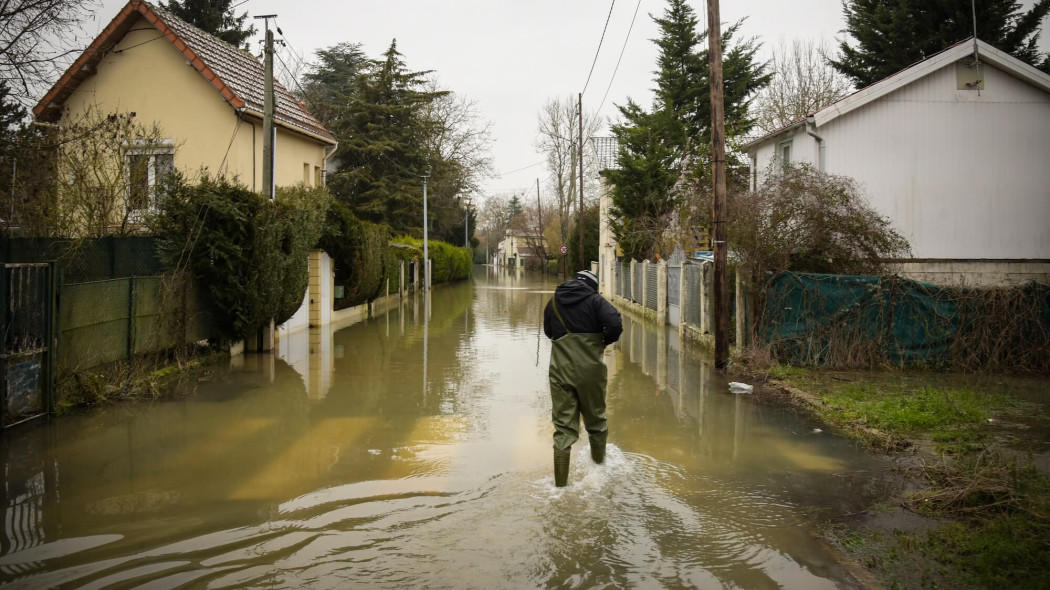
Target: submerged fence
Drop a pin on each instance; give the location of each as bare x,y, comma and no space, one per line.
106,321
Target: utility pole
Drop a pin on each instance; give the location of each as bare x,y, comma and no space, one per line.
718,164
268,129
426,245
539,217
579,212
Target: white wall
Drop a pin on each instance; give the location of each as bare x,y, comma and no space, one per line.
960,175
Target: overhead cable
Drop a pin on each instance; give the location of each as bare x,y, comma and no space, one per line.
600,41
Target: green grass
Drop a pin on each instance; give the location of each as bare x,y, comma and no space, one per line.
947,415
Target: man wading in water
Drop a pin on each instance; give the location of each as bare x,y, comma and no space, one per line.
581,323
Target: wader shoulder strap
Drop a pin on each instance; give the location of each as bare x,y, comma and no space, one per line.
554,305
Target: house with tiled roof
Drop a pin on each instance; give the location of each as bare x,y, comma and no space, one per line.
205,95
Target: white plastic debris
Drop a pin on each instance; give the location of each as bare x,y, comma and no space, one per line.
817,431
735,387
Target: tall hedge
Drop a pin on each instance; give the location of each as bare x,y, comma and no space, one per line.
251,255
357,250
451,263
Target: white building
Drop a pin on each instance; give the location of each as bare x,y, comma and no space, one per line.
514,251
956,153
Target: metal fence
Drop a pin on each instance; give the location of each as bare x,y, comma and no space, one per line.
650,287
27,309
691,304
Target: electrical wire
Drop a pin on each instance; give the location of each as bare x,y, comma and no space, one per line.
162,36
502,174
597,51
617,68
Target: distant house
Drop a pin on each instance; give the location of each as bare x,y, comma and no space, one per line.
515,251
206,96
954,150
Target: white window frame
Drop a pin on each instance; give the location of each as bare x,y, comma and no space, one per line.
142,147
783,146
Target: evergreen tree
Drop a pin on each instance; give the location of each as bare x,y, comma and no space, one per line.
653,145
381,153
213,16
330,84
891,35
642,197
514,208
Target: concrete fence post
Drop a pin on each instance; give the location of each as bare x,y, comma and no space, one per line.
645,282
634,279
683,297
661,292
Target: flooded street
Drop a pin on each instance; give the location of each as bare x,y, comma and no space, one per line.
414,451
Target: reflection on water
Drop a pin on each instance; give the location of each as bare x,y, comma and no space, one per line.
414,450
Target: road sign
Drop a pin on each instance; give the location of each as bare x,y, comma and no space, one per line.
564,249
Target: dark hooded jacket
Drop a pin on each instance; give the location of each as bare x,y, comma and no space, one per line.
584,312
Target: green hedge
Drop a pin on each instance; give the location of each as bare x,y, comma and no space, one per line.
251,255
451,263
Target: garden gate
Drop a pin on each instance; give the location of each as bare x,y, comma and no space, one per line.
28,298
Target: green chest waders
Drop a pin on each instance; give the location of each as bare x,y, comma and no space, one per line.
577,379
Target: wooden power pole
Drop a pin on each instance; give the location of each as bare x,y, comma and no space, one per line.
718,164
268,108
579,212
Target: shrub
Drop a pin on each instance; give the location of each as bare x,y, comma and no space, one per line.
451,263
251,255
357,249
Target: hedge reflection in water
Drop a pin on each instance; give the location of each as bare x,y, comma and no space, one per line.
403,449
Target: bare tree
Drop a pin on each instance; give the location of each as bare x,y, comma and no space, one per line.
558,142
532,226
492,221
97,174
36,39
459,136
803,82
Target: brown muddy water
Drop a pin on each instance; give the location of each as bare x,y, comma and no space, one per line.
414,451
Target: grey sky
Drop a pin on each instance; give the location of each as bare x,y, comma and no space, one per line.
510,57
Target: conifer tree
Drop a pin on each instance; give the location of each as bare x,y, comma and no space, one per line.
654,144
213,16
890,35
381,153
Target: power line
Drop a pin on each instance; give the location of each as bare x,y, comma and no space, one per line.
502,174
617,68
600,41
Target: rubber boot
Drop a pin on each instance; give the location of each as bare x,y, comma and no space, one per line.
598,452
561,468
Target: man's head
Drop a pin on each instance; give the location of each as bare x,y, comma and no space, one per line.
588,277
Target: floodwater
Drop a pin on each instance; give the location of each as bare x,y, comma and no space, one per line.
414,451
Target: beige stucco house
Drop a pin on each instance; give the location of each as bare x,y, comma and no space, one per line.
204,94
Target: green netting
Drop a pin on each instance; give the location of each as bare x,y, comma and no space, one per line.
848,320
90,259
106,321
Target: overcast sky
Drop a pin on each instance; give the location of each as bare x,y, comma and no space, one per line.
511,57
